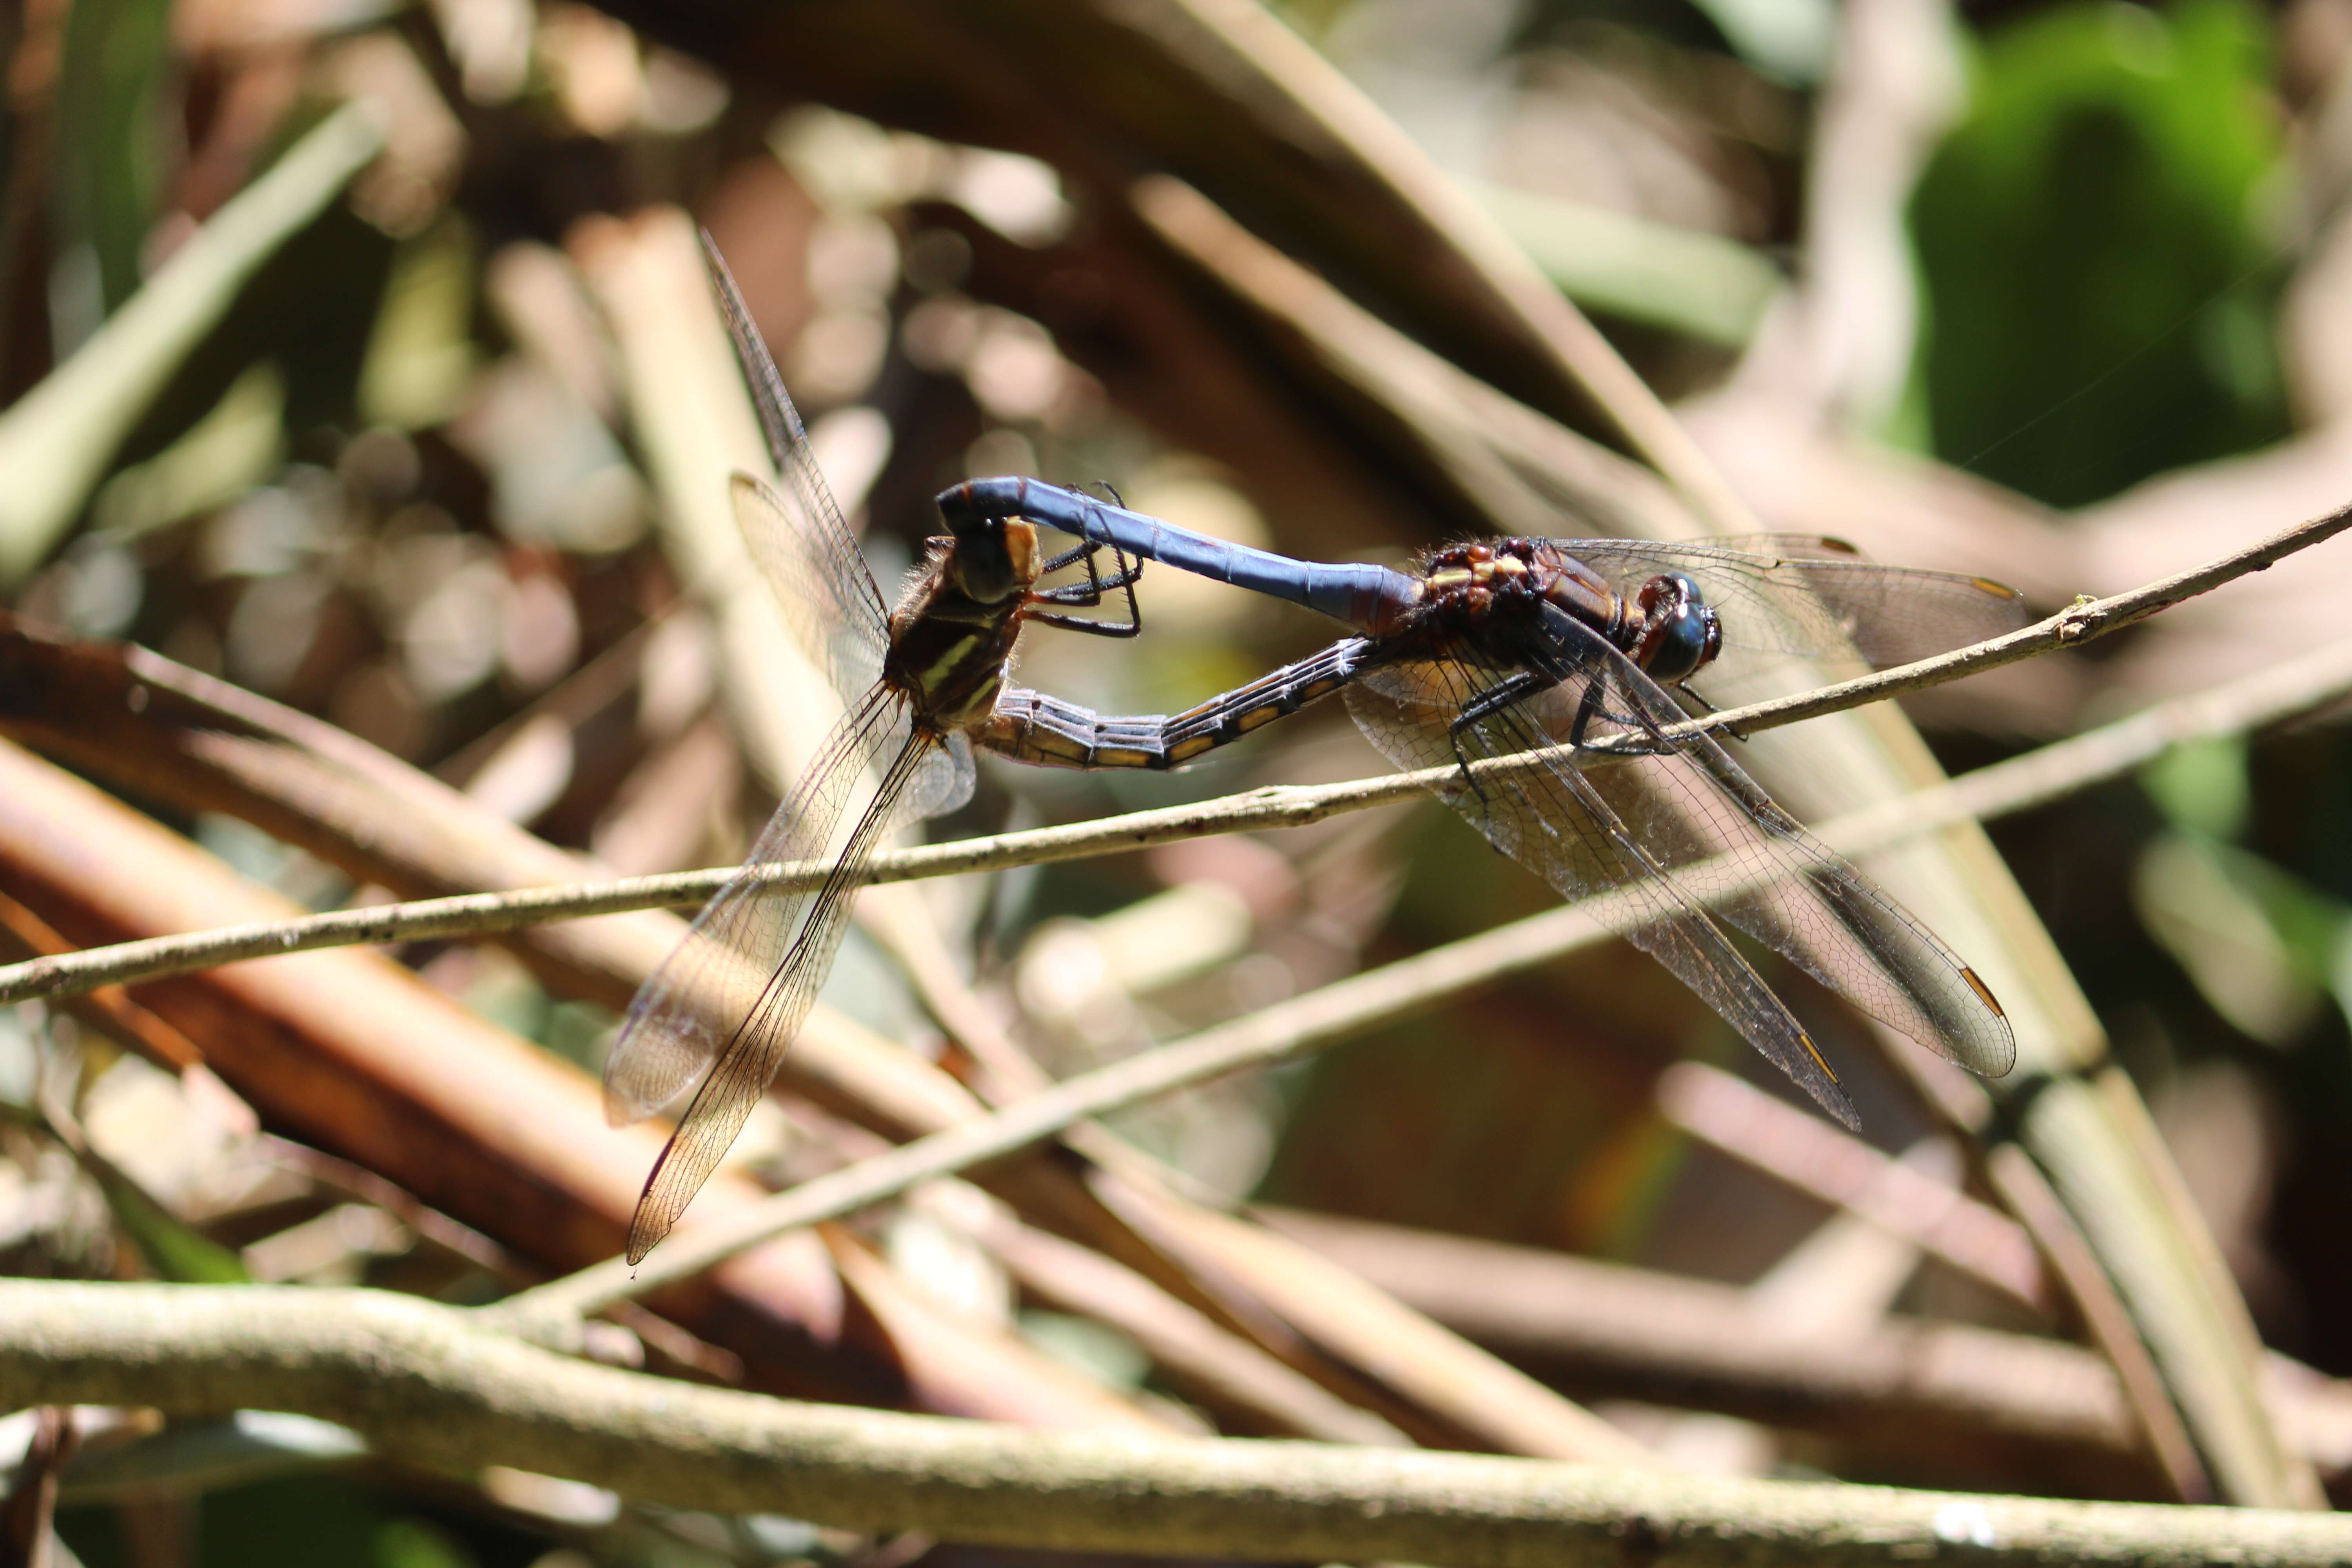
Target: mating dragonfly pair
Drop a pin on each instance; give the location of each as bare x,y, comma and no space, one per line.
1560,652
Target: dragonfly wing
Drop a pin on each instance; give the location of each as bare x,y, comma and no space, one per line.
1785,596
1552,819
828,597
1699,813
945,781
684,1015
719,1013
794,530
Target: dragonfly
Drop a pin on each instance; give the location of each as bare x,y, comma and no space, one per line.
923,683
1578,657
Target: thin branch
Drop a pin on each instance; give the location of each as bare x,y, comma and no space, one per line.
1908,1386
477,914
1308,1023
2084,621
437,1388
1825,1160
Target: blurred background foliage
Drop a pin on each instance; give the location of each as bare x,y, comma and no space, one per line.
2100,240
401,484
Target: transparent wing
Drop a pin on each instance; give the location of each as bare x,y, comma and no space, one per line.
1554,823
829,601
1789,595
1673,831
720,1011
795,530
945,781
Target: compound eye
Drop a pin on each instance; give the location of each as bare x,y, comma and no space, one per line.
986,564
1670,588
1681,642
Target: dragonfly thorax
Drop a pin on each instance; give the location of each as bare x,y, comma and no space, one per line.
1488,591
955,626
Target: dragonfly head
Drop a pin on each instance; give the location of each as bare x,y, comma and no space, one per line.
994,558
1680,633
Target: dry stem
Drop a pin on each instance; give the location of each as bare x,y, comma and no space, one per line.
435,1387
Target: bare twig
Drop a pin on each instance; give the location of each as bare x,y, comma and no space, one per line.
2071,627
1902,1384
1319,1017
475,914
433,1387
1819,1158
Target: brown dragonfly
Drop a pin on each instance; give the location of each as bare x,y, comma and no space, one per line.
923,681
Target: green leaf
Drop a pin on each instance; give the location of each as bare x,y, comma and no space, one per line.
2099,293
176,1251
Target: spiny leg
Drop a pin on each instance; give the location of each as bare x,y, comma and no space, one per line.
1648,743
1698,706
1091,593
1514,687
1522,684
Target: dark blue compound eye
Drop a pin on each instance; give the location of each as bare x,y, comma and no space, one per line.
1683,635
1682,644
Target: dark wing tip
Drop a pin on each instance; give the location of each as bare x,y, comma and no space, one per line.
1997,590
1999,1055
1828,1090
1984,992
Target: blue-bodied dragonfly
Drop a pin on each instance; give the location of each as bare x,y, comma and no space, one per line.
1567,650
922,683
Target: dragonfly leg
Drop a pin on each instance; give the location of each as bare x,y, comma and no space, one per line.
1084,550
1516,686
1698,706
1646,743
1091,592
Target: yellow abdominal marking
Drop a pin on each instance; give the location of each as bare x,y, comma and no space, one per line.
1184,751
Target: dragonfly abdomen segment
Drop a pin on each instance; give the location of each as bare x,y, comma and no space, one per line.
1368,598
1032,727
